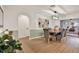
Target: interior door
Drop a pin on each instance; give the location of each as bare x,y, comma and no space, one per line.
23,26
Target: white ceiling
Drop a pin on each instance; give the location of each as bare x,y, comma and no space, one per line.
60,8
72,11
69,10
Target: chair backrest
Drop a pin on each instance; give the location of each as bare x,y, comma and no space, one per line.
46,33
64,33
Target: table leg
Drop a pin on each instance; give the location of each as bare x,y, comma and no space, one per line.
48,40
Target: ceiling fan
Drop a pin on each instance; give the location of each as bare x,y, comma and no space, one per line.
57,14
51,8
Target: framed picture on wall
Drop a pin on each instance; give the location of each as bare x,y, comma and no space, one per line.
39,22
43,22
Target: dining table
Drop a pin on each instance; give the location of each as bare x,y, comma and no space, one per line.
51,33
55,33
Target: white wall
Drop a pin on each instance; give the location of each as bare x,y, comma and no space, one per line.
11,17
0,17
52,22
12,13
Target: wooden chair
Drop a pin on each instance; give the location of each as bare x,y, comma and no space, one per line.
59,36
46,34
64,34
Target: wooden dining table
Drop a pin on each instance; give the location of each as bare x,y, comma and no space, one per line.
50,33
55,33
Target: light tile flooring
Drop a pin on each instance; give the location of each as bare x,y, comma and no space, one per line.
69,45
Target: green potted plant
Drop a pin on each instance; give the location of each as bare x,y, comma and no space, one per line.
8,44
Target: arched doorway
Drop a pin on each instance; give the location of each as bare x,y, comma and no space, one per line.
23,26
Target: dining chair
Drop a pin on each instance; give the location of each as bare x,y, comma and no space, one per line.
52,36
59,36
46,35
64,34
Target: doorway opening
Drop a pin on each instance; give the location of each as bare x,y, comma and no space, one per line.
23,26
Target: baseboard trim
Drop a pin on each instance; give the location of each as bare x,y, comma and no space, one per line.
31,38
36,37
24,37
